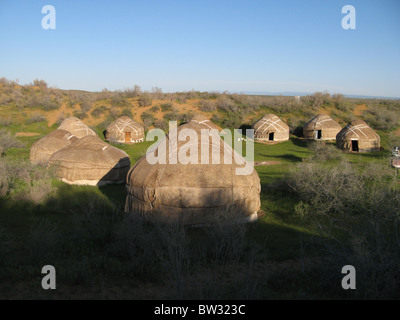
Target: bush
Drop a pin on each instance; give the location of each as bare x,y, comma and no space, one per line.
85,106
60,118
25,181
166,107
147,118
80,114
35,117
41,241
127,112
341,190
7,140
382,118
98,112
145,100
324,152
154,109
161,124
136,243
118,99
40,83
224,103
5,122
207,106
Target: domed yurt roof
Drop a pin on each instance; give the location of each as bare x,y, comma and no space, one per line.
205,122
191,193
125,130
76,127
42,149
268,124
358,130
91,161
328,127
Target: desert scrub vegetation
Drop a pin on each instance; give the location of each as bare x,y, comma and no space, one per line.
8,140
145,100
25,182
36,117
99,111
382,117
126,112
148,119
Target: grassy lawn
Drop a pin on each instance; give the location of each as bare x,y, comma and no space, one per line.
83,211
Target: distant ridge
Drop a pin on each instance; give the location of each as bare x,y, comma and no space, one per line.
292,93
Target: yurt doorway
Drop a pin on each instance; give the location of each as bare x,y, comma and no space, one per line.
318,134
271,136
354,145
127,137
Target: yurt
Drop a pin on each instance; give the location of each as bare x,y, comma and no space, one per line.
321,127
76,127
192,194
125,130
91,161
42,149
271,128
357,136
205,122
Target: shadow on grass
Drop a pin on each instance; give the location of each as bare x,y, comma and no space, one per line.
287,157
300,142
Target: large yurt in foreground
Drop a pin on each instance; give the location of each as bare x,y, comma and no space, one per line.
193,194
205,122
321,127
357,136
42,149
270,128
76,127
91,161
125,130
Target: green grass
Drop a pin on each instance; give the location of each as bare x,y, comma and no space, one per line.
280,234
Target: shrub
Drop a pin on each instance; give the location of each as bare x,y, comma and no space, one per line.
118,99
40,83
86,106
154,109
224,103
166,107
207,106
161,124
41,241
147,118
5,122
35,117
383,118
136,243
127,112
26,181
60,118
145,100
324,152
98,112
80,114
7,140
341,190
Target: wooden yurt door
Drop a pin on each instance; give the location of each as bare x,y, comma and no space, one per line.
127,137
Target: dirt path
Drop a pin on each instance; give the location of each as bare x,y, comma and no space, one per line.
359,110
267,163
26,134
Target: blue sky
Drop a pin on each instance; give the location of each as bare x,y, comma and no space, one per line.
180,45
